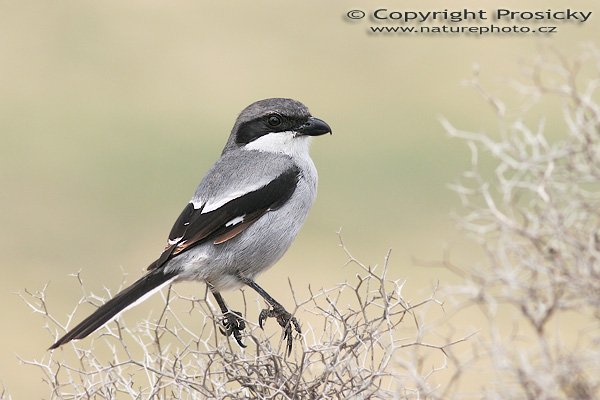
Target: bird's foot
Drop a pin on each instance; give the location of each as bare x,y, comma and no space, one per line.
285,320
234,324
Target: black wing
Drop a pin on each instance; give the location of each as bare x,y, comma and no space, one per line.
194,227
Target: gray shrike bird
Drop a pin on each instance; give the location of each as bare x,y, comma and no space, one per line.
242,218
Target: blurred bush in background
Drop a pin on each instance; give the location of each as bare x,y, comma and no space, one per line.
536,216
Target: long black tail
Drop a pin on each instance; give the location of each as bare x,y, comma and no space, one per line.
127,297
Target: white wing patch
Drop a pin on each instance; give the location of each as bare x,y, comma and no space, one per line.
235,221
213,205
216,203
173,241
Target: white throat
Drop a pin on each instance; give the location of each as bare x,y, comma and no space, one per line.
282,142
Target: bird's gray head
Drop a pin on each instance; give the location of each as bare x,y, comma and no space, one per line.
274,125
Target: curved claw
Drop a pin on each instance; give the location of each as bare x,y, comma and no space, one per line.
287,332
262,317
285,320
234,324
238,338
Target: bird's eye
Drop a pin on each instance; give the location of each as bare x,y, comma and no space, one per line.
274,120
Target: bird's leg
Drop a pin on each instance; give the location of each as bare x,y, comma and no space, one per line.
283,317
232,321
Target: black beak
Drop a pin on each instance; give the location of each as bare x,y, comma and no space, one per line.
314,127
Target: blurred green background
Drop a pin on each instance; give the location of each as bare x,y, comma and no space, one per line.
111,112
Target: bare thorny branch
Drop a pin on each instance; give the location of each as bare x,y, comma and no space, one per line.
363,329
